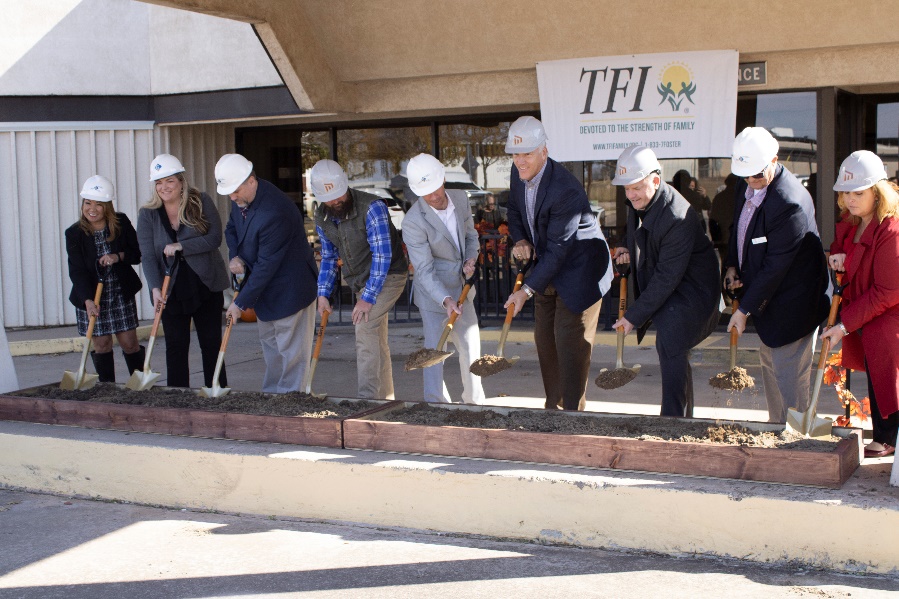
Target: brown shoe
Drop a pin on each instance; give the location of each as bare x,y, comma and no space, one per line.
887,450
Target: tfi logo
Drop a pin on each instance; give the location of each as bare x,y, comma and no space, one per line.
848,176
616,87
622,170
516,140
328,186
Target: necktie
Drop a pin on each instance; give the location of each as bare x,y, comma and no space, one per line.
243,212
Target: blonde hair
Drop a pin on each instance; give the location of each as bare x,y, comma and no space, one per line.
886,202
190,208
112,221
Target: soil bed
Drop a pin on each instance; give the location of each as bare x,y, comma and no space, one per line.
244,402
642,427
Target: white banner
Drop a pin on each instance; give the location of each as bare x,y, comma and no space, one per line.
682,105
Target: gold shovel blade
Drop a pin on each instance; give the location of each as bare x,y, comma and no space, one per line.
142,380
819,428
215,391
71,381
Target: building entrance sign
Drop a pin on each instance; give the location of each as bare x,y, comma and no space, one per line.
680,105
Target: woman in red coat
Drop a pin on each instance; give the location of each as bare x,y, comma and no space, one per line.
869,254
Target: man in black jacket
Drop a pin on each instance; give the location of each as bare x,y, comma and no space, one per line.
776,255
676,282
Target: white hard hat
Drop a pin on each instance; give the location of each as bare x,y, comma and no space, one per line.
99,189
426,174
754,148
327,181
165,165
635,164
230,172
525,135
860,170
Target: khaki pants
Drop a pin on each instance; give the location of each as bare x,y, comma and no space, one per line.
374,369
564,347
787,376
287,350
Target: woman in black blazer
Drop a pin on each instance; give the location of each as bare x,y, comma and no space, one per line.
103,243
178,218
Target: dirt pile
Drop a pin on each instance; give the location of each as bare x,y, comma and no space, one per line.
487,365
736,379
425,357
612,379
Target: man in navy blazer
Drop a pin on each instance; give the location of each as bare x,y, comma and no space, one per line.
776,256
550,220
267,241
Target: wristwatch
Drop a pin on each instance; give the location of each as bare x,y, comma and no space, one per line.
528,291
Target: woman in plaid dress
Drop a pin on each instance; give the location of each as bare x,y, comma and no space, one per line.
103,243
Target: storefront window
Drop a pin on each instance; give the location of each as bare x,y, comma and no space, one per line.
374,157
888,136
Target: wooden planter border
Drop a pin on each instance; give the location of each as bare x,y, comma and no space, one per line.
788,466
295,430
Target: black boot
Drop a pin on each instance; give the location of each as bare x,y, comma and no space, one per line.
105,366
135,361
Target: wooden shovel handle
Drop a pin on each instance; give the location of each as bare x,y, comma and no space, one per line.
622,300
734,334
227,334
519,280
160,305
321,335
461,301
93,319
831,320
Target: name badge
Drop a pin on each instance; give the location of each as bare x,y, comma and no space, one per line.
759,240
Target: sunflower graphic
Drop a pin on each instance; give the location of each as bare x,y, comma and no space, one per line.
676,85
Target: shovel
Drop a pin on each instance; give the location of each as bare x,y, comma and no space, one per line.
613,379
315,354
217,390
808,423
81,380
425,358
734,379
489,365
141,380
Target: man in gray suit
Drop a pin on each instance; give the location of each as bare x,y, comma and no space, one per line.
443,247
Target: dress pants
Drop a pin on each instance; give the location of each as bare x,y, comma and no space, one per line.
564,342
787,375
466,337
287,350
886,429
208,325
374,368
677,383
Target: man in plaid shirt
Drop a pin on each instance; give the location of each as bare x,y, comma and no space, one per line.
355,227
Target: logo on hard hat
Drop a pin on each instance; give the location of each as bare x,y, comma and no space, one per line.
97,187
742,158
516,140
676,84
622,170
424,178
328,186
157,166
848,175
220,181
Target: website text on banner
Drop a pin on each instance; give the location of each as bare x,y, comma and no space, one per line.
682,105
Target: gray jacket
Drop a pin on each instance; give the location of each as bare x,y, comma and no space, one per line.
201,252
437,261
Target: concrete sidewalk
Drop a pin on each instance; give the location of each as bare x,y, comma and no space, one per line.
519,386
56,547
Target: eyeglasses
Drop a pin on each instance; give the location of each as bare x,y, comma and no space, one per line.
761,175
